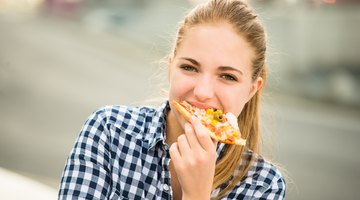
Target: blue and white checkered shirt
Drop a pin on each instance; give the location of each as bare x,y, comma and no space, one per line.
121,154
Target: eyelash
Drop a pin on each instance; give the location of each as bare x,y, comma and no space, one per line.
188,68
227,77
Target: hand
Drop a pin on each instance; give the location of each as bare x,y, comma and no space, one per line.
194,158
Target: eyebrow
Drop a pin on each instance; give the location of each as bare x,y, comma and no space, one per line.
228,68
222,68
191,60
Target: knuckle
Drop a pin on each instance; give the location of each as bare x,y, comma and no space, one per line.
180,167
203,135
188,128
173,148
201,159
191,162
181,138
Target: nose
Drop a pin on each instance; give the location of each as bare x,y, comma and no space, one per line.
204,89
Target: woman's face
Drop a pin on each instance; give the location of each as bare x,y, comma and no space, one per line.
212,69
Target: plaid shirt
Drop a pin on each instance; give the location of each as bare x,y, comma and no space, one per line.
121,154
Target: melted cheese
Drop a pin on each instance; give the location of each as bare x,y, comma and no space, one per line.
232,120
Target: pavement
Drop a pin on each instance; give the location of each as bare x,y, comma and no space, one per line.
54,73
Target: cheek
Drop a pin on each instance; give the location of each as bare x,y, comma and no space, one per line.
236,105
178,87
234,100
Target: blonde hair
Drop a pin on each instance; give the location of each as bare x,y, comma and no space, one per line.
245,22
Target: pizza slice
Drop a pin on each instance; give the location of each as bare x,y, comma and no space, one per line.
222,127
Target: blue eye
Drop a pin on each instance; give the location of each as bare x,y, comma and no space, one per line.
188,68
229,77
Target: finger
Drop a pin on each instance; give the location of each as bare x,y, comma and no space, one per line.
191,136
202,134
174,153
183,145
214,141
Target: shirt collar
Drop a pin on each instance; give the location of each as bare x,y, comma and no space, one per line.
157,128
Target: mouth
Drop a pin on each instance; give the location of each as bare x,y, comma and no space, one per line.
201,105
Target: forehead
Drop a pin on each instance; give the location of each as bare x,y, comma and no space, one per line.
216,44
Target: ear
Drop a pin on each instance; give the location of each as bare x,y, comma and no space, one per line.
256,86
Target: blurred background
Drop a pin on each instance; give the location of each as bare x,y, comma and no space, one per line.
62,59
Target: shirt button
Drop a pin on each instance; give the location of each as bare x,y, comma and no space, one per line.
166,147
166,187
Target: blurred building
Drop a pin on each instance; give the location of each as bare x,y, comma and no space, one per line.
315,46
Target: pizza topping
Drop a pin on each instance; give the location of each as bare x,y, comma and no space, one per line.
218,115
232,120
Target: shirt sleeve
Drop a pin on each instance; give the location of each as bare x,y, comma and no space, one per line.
87,169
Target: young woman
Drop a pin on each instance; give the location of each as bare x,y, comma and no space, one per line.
218,61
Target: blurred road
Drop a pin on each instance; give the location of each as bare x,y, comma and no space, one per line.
53,74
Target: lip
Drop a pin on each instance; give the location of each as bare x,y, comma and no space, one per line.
200,105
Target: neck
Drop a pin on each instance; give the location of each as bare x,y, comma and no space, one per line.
173,128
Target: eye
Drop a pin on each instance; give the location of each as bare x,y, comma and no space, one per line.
188,68
229,77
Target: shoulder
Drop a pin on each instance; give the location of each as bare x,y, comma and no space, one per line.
109,122
264,171
113,112
263,180
122,115
266,179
